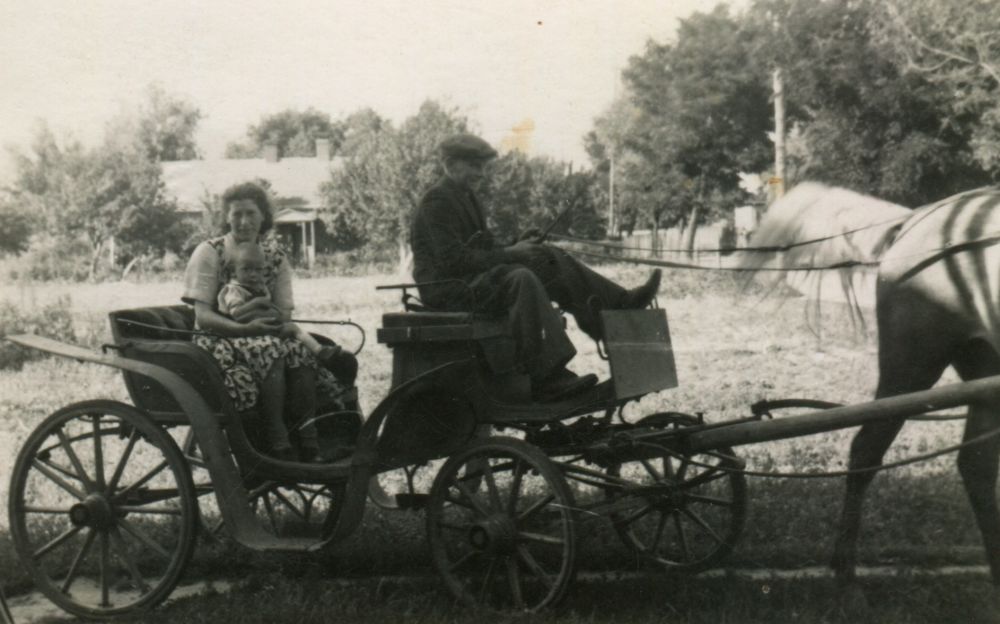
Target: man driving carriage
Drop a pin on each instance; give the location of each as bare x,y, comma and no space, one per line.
460,266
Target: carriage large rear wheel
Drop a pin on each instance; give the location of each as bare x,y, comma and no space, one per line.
501,526
688,510
103,512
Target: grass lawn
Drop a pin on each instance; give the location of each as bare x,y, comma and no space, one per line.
732,348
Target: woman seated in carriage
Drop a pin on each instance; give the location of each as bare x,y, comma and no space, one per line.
266,363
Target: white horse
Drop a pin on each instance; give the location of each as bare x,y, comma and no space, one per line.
937,304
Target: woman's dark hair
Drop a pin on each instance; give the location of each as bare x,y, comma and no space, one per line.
256,194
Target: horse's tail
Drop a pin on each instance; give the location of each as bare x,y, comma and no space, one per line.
815,226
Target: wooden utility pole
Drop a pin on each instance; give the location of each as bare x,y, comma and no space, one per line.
611,197
777,183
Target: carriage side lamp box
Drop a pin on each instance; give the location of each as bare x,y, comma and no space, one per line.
639,351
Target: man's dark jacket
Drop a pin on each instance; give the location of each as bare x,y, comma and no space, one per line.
450,241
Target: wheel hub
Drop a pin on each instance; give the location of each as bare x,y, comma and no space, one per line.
94,511
495,534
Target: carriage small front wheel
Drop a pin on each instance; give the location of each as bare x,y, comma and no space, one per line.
501,526
687,511
103,512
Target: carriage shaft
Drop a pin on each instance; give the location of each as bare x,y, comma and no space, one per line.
901,406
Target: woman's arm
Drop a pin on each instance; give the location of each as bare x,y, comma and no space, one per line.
258,307
210,320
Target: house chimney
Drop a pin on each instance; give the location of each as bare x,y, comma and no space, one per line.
323,149
271,152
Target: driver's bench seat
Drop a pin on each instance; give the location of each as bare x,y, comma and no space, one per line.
422,340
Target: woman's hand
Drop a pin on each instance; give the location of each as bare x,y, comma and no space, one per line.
256,308
263,327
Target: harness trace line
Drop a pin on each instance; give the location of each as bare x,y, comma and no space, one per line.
751,249
932,256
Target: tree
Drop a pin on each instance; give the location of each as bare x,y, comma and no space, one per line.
954,45
294,132
16,226
695,115
869,123
162,128
384,174
111,192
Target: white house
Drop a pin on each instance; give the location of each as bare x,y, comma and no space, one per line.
294,181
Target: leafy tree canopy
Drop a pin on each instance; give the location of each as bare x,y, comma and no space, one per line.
294,132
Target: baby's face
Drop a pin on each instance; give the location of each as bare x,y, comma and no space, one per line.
250,271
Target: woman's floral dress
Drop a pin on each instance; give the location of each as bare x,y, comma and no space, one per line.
246,360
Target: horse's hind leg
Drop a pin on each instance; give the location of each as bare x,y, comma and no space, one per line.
978,463
901,370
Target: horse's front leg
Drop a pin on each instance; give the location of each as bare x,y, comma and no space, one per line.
867,450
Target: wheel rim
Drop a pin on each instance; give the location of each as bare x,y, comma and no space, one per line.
687,512
102,510
501,527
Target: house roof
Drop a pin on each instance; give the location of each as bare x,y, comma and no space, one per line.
294,181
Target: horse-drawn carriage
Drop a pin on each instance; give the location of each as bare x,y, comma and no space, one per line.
104,498
104,510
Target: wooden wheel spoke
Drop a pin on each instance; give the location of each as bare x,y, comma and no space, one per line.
651,469
637,514
67,447
514,579
704,525
290,505
98,452
464,559
682,537
123,460
63,470
126,558
77,560
269,510
491,485
149,476
515,486
459,501
659,532
55,478
103,569
540,538
535,507
487,580
44,510
56,542
158,511
529,560
712,474
683,468
470,496
140,535
148,497
710,500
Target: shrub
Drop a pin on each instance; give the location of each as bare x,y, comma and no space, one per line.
53,321
51,259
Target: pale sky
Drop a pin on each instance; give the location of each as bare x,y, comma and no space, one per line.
75,64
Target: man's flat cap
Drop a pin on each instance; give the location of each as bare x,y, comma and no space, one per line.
466,147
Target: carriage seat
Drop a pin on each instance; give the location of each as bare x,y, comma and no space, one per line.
403,327
176,317
145,334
